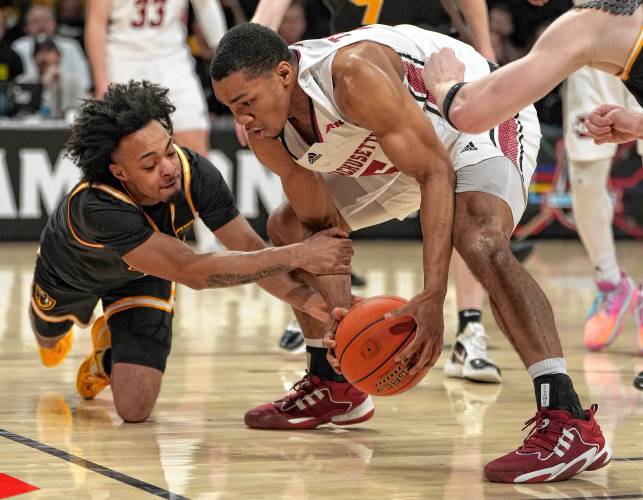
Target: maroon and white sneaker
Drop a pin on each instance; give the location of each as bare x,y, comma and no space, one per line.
313,402
558,447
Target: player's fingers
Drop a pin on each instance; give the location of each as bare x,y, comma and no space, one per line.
595,129
400,311
338,313
332,360
424,360
334,232
414,346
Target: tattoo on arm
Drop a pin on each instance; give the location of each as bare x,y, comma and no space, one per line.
224,280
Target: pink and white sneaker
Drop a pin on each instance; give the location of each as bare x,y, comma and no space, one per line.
558,447
605,318
638,317
313,402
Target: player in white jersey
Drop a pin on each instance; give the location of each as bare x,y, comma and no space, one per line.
356,139
146,40
589,168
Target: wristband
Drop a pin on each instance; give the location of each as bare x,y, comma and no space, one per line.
448,100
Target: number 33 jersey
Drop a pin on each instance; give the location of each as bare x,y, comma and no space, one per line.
150,27
345,149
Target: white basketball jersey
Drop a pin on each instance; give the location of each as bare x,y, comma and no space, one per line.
346,149
147,28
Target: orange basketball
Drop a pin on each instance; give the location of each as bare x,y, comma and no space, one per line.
367,345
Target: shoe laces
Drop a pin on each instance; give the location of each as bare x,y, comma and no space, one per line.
606,300
301,388
545,433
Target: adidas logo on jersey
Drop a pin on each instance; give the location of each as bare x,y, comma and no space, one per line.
469,147
313,157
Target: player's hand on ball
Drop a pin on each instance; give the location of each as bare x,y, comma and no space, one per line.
427,343
328,341
327,252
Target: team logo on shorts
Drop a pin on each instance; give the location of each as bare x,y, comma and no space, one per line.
579,127
43,299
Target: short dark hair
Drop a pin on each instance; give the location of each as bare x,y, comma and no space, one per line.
251,48
101,124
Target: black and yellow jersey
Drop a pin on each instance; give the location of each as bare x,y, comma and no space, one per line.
346,15
632,74
97,223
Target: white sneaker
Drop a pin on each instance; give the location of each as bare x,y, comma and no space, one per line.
469,358
292,339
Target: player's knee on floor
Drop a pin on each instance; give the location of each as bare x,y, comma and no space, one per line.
135,389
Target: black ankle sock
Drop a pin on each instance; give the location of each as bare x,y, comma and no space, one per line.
556,392
107,361
319,365
467,316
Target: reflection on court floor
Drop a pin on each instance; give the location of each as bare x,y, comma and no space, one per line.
428,443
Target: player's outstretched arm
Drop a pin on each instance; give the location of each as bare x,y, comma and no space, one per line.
409,141
96,20
482,104
327,252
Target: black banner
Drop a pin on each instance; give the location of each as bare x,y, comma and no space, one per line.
34,176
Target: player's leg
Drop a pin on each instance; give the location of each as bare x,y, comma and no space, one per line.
589,168
481,232
131,346
469,358
53,310
490,200
322,395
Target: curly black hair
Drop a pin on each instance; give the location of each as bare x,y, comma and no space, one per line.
251,48
101,124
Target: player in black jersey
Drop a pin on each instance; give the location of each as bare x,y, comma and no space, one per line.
118,237
604,34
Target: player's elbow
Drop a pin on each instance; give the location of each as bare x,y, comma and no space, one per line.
441,171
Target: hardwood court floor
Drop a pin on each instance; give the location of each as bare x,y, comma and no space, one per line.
430,443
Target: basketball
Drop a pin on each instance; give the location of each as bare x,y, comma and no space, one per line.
367,344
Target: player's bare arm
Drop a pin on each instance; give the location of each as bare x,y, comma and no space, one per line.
96,20
575,39
166,257
409,141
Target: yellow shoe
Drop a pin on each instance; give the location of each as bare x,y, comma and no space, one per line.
53,356
91,378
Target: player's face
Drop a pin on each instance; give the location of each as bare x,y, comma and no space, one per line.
260,104
147,163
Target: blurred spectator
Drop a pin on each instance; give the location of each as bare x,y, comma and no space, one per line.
10,63
234,13
293,25
62,91
40,21
70,15
502,28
